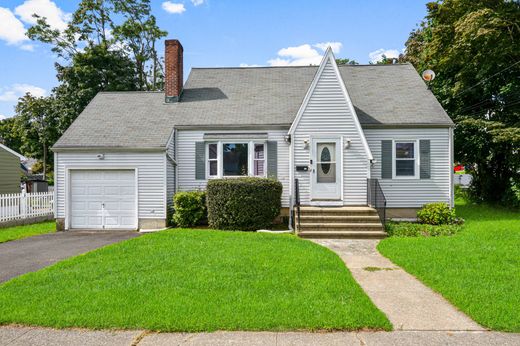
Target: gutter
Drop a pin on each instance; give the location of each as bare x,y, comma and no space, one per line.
107,149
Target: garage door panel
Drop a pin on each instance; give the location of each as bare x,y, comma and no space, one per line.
104,199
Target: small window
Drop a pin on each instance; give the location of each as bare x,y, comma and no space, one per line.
212,159
235,159
405,159
259,160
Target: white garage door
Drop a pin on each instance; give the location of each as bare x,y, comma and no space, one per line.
103,199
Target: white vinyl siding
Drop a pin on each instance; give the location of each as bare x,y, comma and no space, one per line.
412,193
328,113
151,176
186,159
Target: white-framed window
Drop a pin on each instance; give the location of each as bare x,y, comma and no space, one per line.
236,159
406,159
212,156
259,163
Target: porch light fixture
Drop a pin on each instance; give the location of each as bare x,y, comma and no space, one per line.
347,143
287,138
306,142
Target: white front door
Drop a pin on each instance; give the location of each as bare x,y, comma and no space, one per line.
102,199
326,168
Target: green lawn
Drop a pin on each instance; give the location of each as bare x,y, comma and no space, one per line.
19,232
478,270
195,280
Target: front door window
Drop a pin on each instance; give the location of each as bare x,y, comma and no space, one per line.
326,163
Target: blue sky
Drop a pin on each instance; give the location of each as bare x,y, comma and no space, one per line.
220,33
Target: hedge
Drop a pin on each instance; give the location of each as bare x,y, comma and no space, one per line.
244,204
189,208
411,229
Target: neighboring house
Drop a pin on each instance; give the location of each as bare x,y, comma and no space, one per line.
331,127
10,170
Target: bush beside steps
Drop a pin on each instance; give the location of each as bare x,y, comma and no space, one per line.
433,219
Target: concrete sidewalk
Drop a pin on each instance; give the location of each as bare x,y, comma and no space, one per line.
26,336
407,303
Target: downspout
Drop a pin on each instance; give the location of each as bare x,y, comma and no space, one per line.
291,181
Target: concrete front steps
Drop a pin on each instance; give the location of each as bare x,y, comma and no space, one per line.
339,222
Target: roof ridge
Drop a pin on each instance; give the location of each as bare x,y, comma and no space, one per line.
131,91
298,66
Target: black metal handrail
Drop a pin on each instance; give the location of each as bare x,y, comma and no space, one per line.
376,198
297,202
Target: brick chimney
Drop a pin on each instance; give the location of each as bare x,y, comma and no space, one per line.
173,79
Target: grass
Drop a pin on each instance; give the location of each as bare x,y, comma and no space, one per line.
478,269
19,232
189,280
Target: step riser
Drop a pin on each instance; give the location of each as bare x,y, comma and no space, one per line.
332,214
342,236
342,229
338,219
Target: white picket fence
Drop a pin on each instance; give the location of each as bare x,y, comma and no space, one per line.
25,205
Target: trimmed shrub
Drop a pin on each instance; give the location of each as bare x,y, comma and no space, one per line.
410,229
189,208
243,204
437,214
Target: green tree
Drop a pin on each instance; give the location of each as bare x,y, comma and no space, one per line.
474,48
346,61
36,123
9,135
126,26
91,71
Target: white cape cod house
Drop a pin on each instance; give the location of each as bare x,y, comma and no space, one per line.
337,137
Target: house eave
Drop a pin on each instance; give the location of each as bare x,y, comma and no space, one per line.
408,126
107,149
223,127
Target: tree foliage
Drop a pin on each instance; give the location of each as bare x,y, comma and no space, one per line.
474,48
346,61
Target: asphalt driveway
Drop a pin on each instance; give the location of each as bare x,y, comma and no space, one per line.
30,254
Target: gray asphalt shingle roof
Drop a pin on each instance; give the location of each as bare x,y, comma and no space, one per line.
270,96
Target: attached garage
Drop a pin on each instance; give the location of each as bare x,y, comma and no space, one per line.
103,199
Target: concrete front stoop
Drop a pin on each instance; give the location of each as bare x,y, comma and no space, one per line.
339,222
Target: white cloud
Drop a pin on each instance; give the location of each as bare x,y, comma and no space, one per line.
197,2
303,55
248,65
15,91
335,46
2,117
56,18
171,7
11,29
377,55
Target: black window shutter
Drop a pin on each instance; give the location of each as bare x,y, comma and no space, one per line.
424,152
272,159
386,159
200,161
